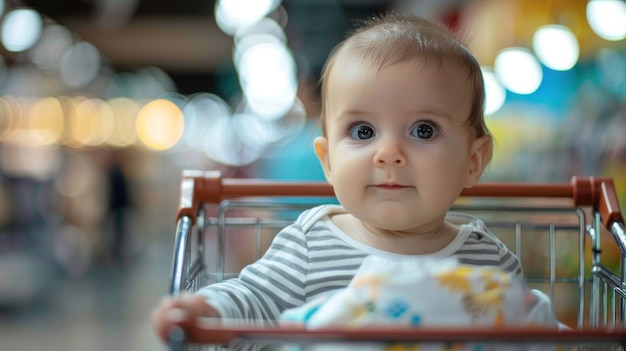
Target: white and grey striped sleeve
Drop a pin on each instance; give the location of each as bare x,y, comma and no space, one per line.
270,285
483,249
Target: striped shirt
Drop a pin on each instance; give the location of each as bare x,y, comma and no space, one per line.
312,256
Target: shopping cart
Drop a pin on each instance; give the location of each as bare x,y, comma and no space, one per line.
569,237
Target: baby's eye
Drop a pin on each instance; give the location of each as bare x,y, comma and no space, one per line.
361,132
424,131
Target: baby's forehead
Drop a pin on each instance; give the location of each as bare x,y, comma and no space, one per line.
348,60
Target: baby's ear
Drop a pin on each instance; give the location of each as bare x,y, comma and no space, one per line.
320,145
480,155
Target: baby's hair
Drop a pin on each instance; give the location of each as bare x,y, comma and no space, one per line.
393,38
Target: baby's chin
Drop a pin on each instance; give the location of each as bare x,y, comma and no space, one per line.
399,218
407,228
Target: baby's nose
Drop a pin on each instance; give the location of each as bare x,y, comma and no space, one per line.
390,154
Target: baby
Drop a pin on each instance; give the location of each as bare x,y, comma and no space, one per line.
403,134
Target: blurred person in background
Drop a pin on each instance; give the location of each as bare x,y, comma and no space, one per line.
119,206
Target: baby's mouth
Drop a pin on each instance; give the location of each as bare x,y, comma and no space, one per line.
391,186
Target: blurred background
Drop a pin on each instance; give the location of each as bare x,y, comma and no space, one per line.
104,102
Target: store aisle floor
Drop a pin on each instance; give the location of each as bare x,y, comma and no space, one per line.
109,309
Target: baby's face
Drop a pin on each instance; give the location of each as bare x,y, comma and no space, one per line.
397,150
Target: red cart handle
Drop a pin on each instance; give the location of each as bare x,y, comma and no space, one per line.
199,187
206,333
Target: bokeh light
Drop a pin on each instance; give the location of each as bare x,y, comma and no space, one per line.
265,26
21,28
556,47
232,14
495,94
86,124
607,18
518,70
280,130
55,41
201,115
106,123
235,140
125,112
160,124
80,64
180,101
46,120
267,78
11,116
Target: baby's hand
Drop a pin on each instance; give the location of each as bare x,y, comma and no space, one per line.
184,308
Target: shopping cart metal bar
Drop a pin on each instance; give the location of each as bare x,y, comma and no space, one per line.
210,187
180,244
206,332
